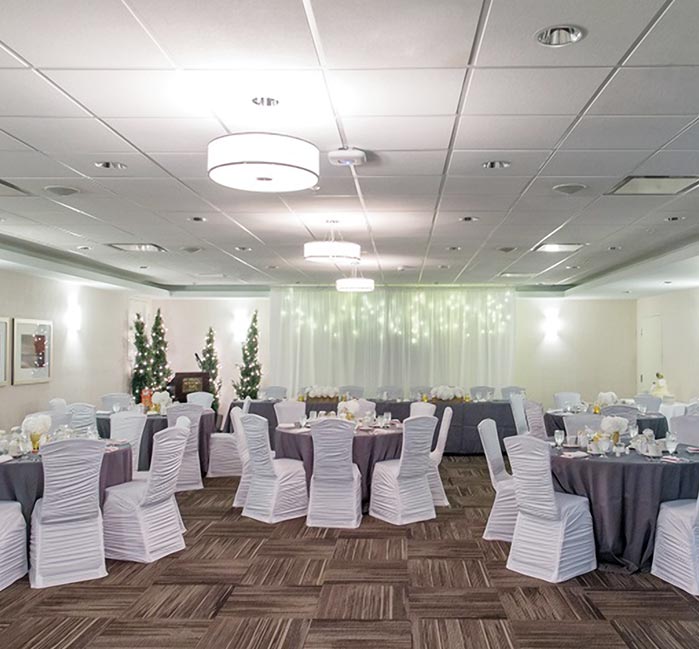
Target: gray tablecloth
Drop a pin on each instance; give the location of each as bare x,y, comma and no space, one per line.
625,495
463,436
656,422
23,479
156,423
367,450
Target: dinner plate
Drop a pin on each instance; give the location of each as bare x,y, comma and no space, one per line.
286,426
570,446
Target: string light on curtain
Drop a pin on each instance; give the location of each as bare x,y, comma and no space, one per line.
331,250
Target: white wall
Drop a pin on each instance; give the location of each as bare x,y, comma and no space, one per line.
679,313
86,363
593,350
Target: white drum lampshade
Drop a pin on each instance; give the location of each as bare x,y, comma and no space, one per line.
332,252
263,162
354,285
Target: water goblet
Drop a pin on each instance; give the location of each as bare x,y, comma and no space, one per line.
558,437
116,407
605,445
671,443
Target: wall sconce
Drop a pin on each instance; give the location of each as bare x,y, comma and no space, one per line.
551,325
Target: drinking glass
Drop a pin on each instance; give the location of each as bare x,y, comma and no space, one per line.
116,407
633,431
387,418
605,445
671,443
313,415
558,437
479,396
642,409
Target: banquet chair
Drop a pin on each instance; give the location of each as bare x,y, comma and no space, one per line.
439,496
651,403
58,419
686,429
289,412
486,392
575,424
422,409
400,489
518,413
563,399
503,513
366,408
58,405
553,537
224,456
536,424
241,493
13,543
83,416
691,409
335,498
247,402
392,392
275,392
128,425
277,487
203,399
113,398
142,522
190,470
509,390
67,542
354,391
630,413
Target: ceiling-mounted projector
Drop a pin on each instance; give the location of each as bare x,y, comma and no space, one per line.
347,157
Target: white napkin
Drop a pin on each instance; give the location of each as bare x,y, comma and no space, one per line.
5,458
574,454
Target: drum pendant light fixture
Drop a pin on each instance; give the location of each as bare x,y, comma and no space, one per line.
355,283
263,162
331,250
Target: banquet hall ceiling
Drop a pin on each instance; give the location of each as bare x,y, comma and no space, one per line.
431,90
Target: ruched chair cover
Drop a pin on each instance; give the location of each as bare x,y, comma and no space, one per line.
553,538
58,405
366,408
439,496
58,419
536,425
203,399
400,490
485,392
289,411
563,399
275,392
510,390
246,405
108,401
335,498
277,487
651,403
692,409
575,424
630,413
67,536
83,416
13,543
224,455
190,469
390,391
354,391
128,425
141,519
686,428
241,493
422,409
503,514
518,412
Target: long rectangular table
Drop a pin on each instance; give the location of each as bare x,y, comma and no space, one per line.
463,436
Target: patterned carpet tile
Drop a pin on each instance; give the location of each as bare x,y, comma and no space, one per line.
362,602
153,634
255,633
272,601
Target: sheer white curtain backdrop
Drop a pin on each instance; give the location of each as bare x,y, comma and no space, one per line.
397,336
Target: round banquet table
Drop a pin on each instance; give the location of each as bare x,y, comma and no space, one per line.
368,448
156,423
22,479
625,495
655,421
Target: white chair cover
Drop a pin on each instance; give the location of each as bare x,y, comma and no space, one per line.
354,391
422,409
66,536
289,411
509,390
278,489
575,424
336,485
241,493
58,419
58,405
246,405
190,469
275,392
400,490
13,543
391,391
113,398
224,458
203,399
518,412
563,399
439,496
686,428
83,415
553,538
503,514
691,409
366,408
630,413
128,425
651,403
486,391
141,518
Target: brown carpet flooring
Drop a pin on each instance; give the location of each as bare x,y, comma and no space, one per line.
241,584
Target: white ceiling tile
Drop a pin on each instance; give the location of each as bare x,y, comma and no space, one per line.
409,203
564,205
478,186
183,165
400,185
404,163
8,143
396,33
7,60
398,133
532,91
28,164
137,165
688,140
25,93
523,163
508,132
543,185
624,132
168,135
611,28
395,92
594,163
231,199
671,163
326,204
155,193
650,91
246,34
474,203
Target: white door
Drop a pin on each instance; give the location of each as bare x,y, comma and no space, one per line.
650,351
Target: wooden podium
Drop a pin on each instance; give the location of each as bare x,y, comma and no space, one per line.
185,382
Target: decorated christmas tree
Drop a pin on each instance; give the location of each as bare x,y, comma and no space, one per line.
250,370
141,376
160,370
208,362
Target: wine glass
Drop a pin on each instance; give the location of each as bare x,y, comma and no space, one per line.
387,417
558,437
313,415
605,445
671,443
116,407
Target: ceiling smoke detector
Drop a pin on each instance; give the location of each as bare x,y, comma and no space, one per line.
61,190
265,102
349,157
468,219
560,35
496,164
110,164
569,188
197,219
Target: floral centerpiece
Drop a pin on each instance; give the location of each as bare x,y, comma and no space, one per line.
607,399
161,400
322,392
446,393
36,427
658,388
614,427
348,409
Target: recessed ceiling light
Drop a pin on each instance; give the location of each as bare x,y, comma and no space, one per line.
265,102
614,248
272,267
453,248
559,247
198,219
560,35
401,269
627,292
497,164
515,274
507,249
137,247
243,248
674,218
572,267
667,281
654,185
144,267
190,249
444,266
569,188
83,248
469,219
61,190
110,164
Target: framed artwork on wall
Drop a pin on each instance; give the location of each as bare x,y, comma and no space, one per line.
32,351
5,352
